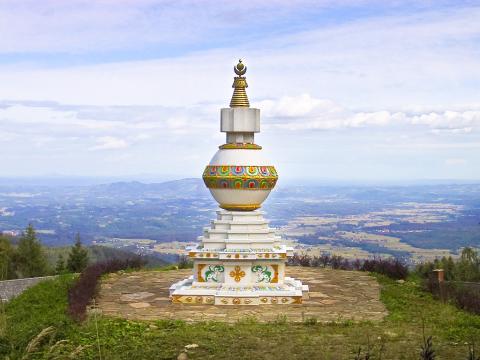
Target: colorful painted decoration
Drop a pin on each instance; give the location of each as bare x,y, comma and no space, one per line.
237,274
240,177
209,273
263,275
213,272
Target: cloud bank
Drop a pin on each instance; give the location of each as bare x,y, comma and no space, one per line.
361,89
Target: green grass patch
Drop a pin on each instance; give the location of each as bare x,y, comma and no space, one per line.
399,336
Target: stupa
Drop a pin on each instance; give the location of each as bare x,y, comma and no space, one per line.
239,259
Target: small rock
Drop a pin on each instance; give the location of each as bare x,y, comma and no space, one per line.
390,333
153,327
139,305
191,346
401,281
136,296
182,356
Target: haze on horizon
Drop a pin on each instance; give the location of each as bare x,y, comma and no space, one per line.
356,90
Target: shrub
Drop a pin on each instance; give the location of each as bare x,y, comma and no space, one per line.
393,268
300,260
427,352
336,261
464,295
467,297
184,262
84,289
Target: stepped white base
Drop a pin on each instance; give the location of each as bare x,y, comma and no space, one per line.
240,261
187,291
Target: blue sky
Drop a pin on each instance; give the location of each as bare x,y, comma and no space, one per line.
352,90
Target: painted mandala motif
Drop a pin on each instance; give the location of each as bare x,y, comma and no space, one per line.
240,177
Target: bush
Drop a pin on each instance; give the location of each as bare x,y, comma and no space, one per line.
83,291
466,296
184,262
393,268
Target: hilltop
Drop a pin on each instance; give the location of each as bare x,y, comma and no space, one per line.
397,336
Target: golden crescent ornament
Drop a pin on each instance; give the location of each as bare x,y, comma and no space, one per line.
240,69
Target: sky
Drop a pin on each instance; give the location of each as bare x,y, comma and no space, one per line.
348,90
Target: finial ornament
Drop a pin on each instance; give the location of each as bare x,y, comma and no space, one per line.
239,97
240,69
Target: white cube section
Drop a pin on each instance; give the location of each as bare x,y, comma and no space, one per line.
243,120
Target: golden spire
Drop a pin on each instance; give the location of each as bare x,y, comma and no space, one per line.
239,97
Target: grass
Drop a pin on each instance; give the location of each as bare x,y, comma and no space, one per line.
37,308
399,335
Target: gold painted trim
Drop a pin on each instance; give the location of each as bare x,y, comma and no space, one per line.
199,272
297,300
176,299
275,273
246,146
201,299
240,207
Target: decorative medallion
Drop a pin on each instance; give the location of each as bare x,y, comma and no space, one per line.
237,274
240,177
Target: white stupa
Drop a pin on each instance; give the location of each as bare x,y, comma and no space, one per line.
240,260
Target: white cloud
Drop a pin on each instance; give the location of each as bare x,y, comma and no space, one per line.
392,94
109,143
304,112
79,26
428,59
455,162
145,139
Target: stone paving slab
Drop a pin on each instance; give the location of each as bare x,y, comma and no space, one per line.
335,295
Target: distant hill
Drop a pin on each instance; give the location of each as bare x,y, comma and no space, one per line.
372,219
184,188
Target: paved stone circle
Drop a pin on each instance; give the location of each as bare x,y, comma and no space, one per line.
335,295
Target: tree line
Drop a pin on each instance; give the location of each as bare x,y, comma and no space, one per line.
27,258
466,268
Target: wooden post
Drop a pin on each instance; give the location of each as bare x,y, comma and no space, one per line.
440,275
441,282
